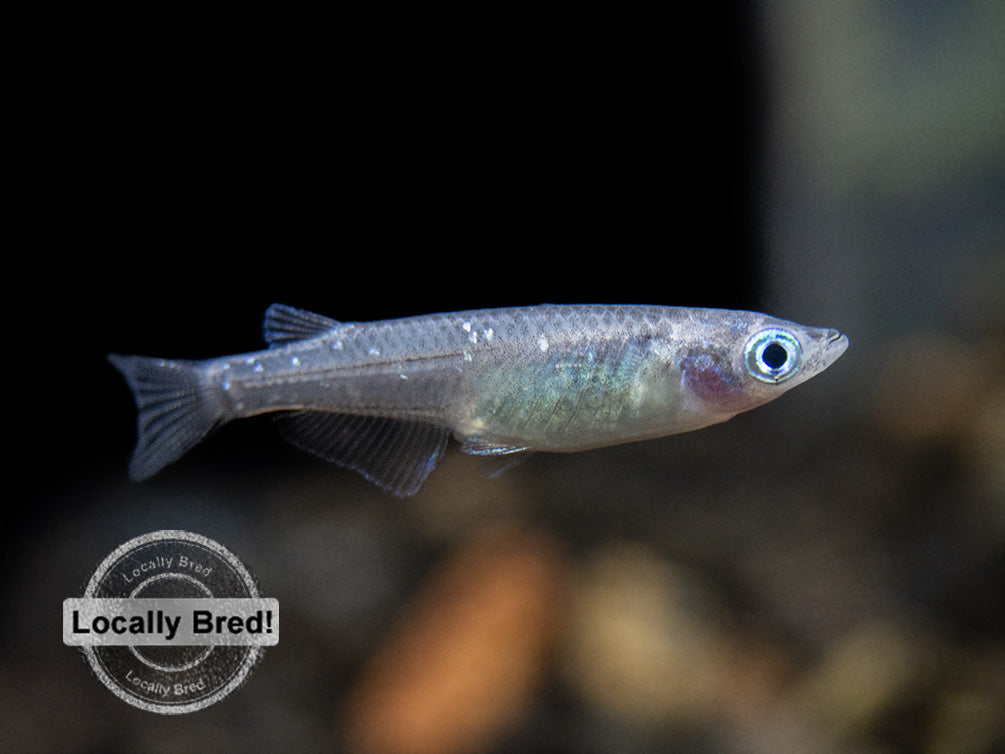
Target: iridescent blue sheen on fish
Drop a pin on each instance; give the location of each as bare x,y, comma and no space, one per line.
383,398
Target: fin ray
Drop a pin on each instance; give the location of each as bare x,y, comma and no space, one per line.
395,454
284,324
479,446
173,413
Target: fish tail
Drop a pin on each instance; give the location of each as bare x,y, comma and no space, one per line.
176,410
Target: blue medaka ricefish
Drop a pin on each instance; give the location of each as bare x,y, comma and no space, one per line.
383,398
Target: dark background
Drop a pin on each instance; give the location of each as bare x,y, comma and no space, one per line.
175,176
177,193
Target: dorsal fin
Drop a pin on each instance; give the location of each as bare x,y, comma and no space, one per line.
284,324
394,454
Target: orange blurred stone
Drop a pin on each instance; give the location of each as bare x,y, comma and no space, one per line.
466,657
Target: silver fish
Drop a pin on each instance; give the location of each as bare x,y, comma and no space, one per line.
383,398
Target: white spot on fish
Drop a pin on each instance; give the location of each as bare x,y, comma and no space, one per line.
467,356
249,361
542,343
226,385
403,375
466,326
258,368
295,361
473,337
337,345
374,351
488,334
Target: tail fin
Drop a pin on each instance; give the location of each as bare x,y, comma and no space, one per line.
174,413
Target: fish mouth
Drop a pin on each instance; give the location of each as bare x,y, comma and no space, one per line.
837,342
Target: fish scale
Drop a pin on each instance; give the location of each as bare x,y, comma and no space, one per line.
568,388
383,397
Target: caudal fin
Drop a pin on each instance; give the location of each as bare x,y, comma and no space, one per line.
174,412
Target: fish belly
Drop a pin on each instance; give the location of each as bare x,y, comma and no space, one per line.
581,396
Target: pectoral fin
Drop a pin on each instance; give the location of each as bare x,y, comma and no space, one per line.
499,457
394,454
478,446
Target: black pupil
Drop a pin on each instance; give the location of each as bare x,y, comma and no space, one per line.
775,355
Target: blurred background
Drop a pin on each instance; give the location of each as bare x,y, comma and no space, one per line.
824,574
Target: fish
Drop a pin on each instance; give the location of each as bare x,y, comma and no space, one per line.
384,398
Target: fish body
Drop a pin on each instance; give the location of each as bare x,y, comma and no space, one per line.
384,397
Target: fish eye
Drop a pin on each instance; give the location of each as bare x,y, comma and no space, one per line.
772,355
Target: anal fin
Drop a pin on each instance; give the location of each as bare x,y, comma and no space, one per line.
395,454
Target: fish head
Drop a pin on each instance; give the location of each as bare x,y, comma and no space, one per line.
744,359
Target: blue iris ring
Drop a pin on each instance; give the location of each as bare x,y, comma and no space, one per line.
773,355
